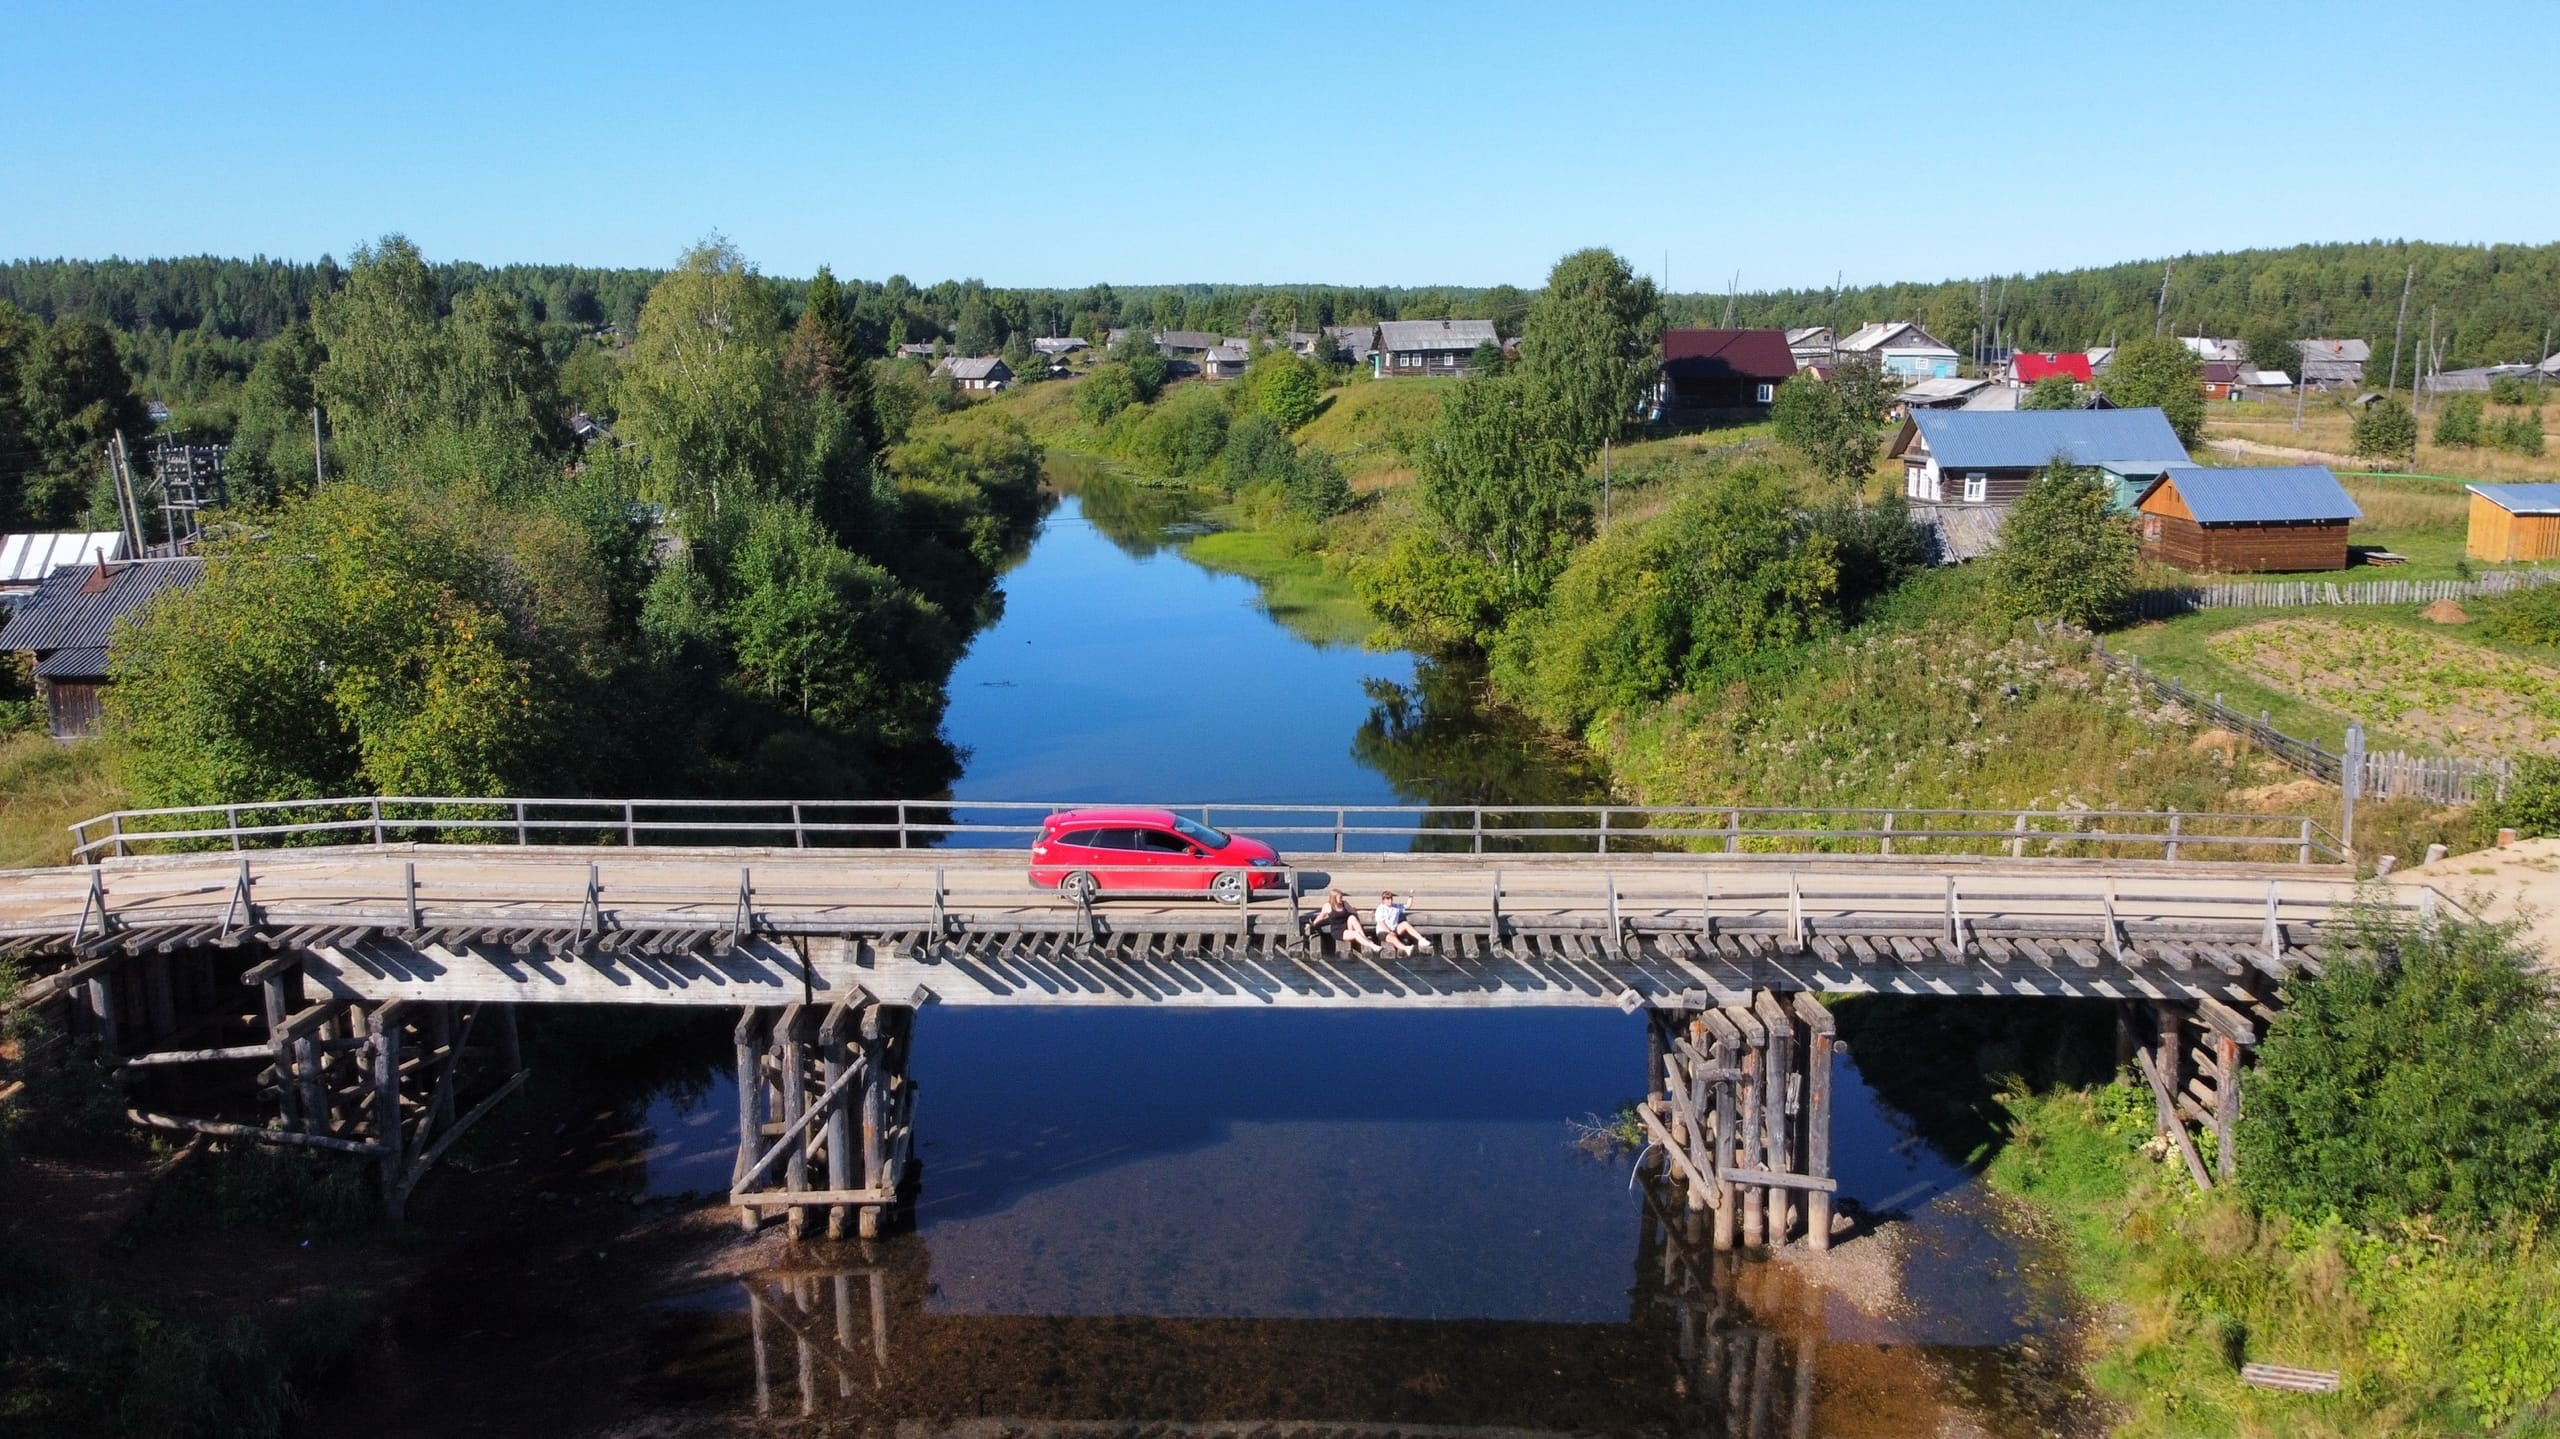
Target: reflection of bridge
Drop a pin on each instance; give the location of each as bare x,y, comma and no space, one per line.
376,965
1709,1346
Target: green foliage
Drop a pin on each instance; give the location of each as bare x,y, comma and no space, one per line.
396,368
1257,452
1836,424
2418,1075
63,394
1876,547
1185,433
1145,364
2053,392
2518,433
1500,472
2515,390
2385,430
1283,386
2529,616
1316,486
1433,595
2458,421
1105,393
2269,345
2532,805
964,497
1725,575
702,389
831,637
2064,553
2158,371
1588,349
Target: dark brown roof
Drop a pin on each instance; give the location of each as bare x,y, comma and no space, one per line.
1713,354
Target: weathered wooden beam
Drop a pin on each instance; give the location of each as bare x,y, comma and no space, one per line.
223,1129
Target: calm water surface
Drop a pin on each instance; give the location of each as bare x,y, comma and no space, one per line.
1353,1219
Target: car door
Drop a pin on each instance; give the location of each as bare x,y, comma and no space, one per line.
1172,861
1117,862
1081,849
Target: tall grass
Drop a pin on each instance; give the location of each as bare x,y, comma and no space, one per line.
44,787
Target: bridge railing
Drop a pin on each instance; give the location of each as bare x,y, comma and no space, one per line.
1293,829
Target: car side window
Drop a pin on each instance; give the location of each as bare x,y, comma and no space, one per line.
1163,843
1088,838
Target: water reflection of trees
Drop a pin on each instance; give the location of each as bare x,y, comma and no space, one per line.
1442,741
1133,515
1711,1345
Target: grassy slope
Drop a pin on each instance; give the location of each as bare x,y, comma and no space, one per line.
1299,589
45,786
2327,426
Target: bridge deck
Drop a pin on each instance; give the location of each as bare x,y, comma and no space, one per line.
761,926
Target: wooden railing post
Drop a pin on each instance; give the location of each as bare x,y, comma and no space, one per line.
231,822
1340,818
2306,842
1604,830
902,824
118,834
2018,846
1887,840
1733,831
799,830
630,825
2171,848
377,820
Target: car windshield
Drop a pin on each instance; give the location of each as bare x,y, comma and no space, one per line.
1199,833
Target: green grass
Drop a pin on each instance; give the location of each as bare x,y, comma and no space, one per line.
1366,423
1313,599
44,786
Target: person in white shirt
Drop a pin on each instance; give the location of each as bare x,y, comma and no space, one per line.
1393,929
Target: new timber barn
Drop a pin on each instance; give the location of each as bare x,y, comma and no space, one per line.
2247,521
2514,522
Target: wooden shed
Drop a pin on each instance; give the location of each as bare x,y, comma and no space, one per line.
2245,521
2514,522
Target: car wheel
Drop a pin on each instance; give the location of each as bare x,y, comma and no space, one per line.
1227,888
1080,887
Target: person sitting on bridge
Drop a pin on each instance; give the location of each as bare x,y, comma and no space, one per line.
1394,930
1339,922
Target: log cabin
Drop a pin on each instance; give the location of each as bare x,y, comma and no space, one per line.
1989,457
1430,347
2247,521
1723,374
67,625
2514,522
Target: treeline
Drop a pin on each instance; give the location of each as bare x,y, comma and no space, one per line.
759,592
2492,304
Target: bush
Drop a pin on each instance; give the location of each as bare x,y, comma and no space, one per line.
1105,393
2512,390
2418,1075
2053,392
2385,430
2526,617
1186,433
1316,486
2519,433
2532,805
1257,453
1435,595
1284,387
2064,551
2458,423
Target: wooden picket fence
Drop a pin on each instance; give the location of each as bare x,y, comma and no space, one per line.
2388,775
2159,604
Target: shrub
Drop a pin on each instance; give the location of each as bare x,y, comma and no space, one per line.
2511,390
2532,805
2521,433
1435,595
1185,433
2053,392
2418,1075
1105,393
1257,453
2458,423
2064,551
2526,617
1284,387
1316,486
2385,430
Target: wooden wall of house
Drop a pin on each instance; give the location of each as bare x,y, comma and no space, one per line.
71,708
1434,362
2244,549
2500,536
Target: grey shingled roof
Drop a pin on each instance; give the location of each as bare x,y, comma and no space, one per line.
61,616
1396,335
2275,495
2024,439
976,367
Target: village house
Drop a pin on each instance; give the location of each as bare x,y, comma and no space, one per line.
2246,521
2514,522
1811,345
1903,349
67,624
2028,366
1950,394
1060,346
1353,344
1723,374
1429,347
977,372
2221,380
1224,362
2210,351
2334,364
1977,457
1189,345
918,351
26,559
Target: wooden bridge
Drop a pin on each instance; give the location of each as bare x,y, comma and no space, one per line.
381,936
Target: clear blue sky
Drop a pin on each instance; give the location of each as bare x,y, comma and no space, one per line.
1383,143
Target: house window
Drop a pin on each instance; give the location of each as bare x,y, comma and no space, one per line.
1766,393
1977,487
2151,529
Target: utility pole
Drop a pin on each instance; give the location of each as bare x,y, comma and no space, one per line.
2301,382
2396,326
319,471
2429,360
1731,292
1836,279
2543,367
2160,316
128,506
1604,482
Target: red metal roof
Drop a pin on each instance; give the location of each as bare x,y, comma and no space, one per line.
1706,354
2030,366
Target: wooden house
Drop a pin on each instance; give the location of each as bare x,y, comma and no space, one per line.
979,372
67,625
2514,522
2221,380
1903,349
1724,374
1189,345
1224,362
2028,366
1429,347
1989,457
2334,364
2245,521
1812,345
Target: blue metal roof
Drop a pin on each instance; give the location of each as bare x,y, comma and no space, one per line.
2283,494
2521,499
2024,439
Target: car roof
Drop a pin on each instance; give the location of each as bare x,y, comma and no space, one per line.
1110,816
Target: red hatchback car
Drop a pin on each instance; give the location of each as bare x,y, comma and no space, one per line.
1083,853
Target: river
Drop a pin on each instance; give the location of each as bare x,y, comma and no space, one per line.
1367,1221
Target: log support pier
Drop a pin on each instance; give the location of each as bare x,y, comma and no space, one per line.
2193,1062
1740,1107
825,1115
